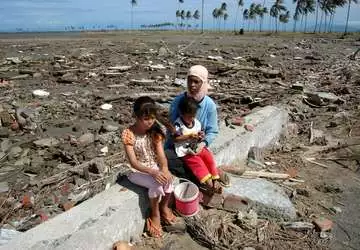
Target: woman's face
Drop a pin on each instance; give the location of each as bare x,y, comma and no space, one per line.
194,84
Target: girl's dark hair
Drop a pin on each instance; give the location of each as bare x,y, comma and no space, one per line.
145,106
188,106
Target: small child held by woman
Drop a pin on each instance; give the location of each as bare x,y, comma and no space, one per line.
188,135
143,142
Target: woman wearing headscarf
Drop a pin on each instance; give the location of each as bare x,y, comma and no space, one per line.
197,88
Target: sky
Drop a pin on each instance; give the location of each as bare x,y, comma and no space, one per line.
47,15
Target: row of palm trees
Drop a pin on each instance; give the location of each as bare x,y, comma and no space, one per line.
186,15
277,13
220,14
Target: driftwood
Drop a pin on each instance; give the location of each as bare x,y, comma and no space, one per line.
265,175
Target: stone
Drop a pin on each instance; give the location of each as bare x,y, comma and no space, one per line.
106,106
68,205
23,162
37,75
5,118
249,248
267,198
40,93
256,154
162,51
336,209
298,86
2,155
4,187
109,138
111,128
323,224
234,203
86,139
47,142
4,132
120,68
15,152
249,127
69,78
79,181
14,60
213,201
5,145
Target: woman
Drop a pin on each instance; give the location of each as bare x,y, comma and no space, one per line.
197,88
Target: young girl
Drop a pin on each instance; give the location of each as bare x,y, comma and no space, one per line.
143,142
187,138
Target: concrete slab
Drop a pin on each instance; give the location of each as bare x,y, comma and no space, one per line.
95,224
269,199
113,215
234,144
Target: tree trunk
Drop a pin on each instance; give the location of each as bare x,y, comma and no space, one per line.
294,28
322,15
305,23
317,16
132,17
302,21
202,17
236,17
276,23
347,17
325,23
248,25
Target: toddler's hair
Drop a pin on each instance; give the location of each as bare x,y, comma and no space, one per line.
188,106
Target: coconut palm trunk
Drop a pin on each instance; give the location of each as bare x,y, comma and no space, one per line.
202,16
347,17
317,16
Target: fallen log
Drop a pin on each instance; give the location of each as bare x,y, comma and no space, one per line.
265,175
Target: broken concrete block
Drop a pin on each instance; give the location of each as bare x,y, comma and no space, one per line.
268,199
213,201
234,203
47,142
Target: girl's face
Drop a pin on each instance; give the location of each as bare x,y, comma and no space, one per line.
188,119
194,84
146,122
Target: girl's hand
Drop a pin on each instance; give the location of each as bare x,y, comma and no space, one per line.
159,177
200,147
168,175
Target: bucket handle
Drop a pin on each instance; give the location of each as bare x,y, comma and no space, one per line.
183,179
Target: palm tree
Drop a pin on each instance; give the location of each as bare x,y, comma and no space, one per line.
182,16
215,16
133,4
308,8
253,13
196,15
298,11
202,16
246,17
284,18
178,15
348,14
223,6
276,10
226,16
317,14
188,17
220,14
335,4
240,3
